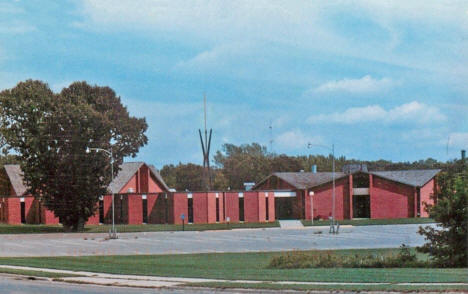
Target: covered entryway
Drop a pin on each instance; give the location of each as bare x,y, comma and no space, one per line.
285,205
361,206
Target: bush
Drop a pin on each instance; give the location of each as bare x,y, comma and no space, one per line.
297,259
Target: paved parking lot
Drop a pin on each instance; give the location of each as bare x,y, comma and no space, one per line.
274,239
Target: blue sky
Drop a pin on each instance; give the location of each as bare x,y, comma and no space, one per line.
379,79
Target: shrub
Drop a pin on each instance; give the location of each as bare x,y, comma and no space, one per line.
298,259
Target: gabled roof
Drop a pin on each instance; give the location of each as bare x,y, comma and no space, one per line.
127,171
415,178
15,175
305,180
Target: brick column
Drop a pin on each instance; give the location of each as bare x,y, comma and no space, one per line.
135,209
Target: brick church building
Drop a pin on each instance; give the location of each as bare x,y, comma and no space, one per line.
142,196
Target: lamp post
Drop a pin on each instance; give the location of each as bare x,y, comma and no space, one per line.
332,149
113,234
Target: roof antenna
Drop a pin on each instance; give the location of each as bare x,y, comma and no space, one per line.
206,145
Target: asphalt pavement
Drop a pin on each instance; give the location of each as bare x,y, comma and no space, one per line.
242,240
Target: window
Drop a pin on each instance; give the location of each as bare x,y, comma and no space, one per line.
101,211
267,217
190,210
23,213
241,209
217,209
145,211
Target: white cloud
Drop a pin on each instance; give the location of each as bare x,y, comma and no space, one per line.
295,139
365,84
308,25
413,112
458,140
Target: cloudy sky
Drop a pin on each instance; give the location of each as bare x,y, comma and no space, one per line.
379,79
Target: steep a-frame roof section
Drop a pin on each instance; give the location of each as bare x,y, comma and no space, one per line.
127,171
415,178
15,175
157,175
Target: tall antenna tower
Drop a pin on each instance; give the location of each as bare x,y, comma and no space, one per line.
271,136
206,145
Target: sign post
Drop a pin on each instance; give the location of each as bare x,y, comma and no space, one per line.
182,217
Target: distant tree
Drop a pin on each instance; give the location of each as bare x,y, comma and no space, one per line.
448,245
244,163
50,132
183,176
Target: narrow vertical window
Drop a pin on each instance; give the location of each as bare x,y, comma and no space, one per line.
267,216
217,209
101,211
190,210
241,209
23,213
145,211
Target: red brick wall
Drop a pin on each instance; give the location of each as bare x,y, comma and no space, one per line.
48,217
180,205
232,206
200,208
308,215
144,179
153,186
132,183
323,199
13,210
221,206
251,205
211,207
135,209
426,192
271,207
389,199
107,202
94,220
261,207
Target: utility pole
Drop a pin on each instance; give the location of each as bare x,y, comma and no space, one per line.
206,145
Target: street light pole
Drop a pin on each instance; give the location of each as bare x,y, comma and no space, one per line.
113,234
309,145
333,195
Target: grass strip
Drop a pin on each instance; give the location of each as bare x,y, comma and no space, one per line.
34,273
370,222
304,287
241,266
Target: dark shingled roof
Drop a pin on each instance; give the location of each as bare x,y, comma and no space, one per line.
16,178
127,170
305,180
415,178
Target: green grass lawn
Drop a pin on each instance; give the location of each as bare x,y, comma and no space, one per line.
302,287
251,266
29,229
369,222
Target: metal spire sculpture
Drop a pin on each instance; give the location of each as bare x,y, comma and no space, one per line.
206,145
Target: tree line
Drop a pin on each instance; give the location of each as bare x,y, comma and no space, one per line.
235,165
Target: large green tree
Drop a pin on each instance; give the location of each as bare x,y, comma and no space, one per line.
51,133
448,245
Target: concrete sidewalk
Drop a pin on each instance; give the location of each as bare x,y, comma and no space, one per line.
159,282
